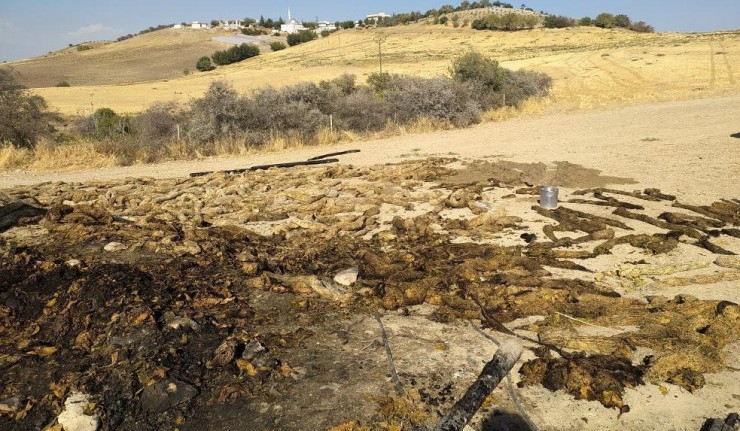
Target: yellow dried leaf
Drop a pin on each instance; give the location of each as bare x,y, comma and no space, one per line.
22,344
440,345
144,377
58,390
140,318
159,373
83,340
246,367
286,370
663,389
44,351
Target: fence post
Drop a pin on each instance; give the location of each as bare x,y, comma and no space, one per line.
331,123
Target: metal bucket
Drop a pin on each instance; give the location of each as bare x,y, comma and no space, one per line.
549,197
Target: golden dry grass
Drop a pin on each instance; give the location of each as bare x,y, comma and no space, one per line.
158,55
591,67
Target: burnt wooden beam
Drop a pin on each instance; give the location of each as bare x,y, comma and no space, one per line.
493,372
265,167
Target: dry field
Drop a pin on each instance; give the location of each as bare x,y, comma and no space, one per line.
592,68
156,56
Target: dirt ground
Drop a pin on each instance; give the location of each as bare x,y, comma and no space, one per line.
213,302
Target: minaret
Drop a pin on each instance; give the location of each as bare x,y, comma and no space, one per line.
289,19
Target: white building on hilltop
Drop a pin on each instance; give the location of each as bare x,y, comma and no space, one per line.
231,24
326,25
377,16
292,26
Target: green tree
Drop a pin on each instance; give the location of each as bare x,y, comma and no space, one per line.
605,20
24,117
277,46
586,21
622,21
558,21
204,64
475,67
106,123
301,37
642,27
235,54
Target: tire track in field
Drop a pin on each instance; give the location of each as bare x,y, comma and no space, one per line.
614,73
575,70
713,67
730,74
637,75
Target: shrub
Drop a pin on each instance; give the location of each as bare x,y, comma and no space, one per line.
361,111
642,27
24,117
277,46
84,47
622,21
218,114
102,124
475,67
378,82
301,37
586,21
235,54
506,21
253,31
559,21
204,64
521,85
411,98
157,124
345,83
605,20
108,123
301,110
63,83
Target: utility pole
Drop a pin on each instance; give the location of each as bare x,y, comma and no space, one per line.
380,38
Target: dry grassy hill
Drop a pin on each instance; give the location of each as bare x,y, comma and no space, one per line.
591,67
158,55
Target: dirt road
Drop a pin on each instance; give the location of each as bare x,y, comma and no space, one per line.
684,147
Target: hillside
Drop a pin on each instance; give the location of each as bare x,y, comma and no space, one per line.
158,55
591,67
